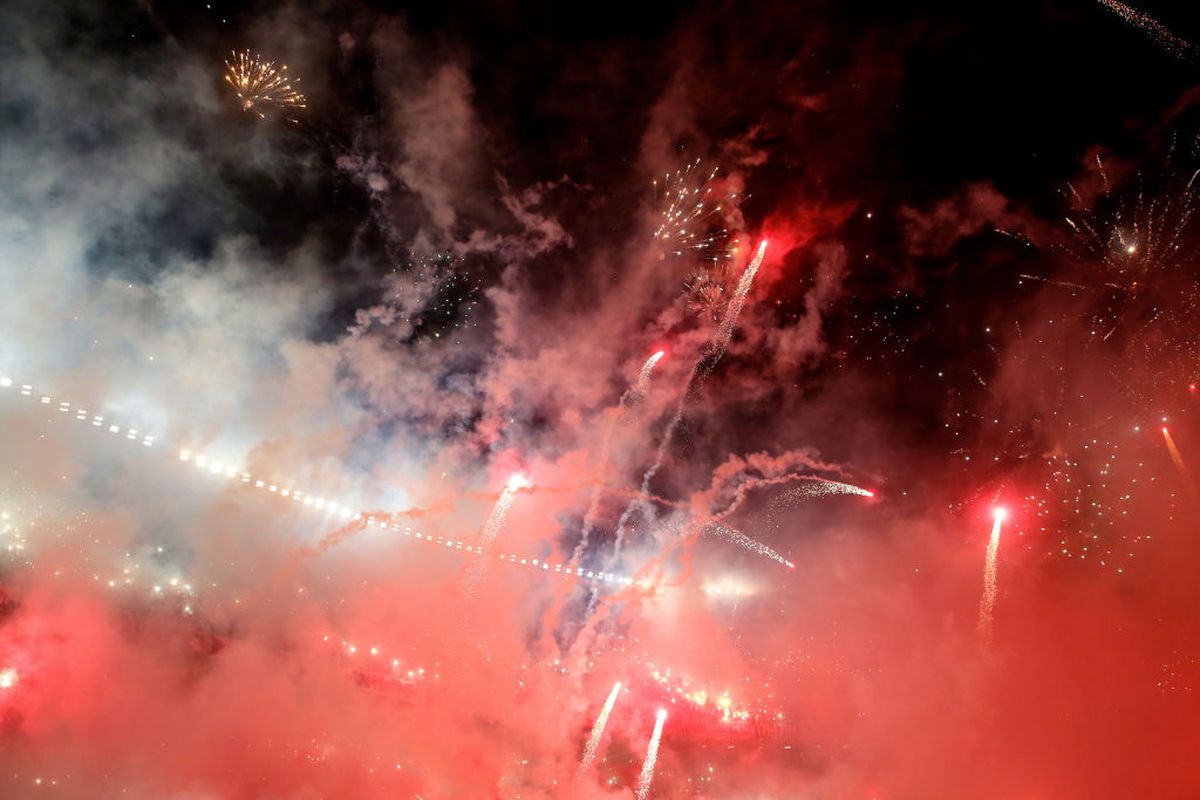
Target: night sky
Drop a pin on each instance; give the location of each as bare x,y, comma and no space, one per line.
823,373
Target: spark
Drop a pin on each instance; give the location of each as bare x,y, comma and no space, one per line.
260,84
647,775
987,603
593,743
9,678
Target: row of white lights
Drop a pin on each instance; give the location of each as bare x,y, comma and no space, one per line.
81,414
216,467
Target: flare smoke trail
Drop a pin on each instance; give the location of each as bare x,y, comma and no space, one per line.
491,528
636,391
1186,474
716,349
643,784
987,603
593,743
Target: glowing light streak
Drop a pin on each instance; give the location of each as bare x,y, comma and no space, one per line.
592,748
987,603
647,774
1184,472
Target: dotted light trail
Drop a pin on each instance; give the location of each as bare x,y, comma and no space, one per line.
647,776
334,508
593,743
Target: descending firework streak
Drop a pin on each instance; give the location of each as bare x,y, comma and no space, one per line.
647,775
592,748
260,84
987,603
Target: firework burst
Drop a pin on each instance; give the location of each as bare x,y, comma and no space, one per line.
692,206
707,291
1135,249
1133,237
261,85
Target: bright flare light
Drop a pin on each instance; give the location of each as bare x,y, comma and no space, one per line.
8,678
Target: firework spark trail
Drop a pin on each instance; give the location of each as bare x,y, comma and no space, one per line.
742,540
491,529
636,391
815,486
987,603
730,318
1180,48
1185,473
647,775
592,748
716,349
